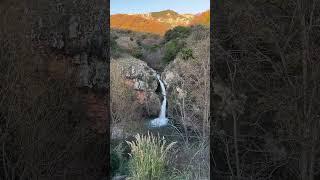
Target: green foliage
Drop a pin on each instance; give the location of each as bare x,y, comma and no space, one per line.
178,32
137,53
139,42
115,50
187,53
143,36
171,49
154,47
164,13
148,157
113,44
174,42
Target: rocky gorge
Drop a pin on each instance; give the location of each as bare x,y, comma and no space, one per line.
179,62
138,76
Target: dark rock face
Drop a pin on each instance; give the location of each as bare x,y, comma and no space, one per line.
57,52
77,33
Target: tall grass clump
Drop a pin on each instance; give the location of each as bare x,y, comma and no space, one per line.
148,157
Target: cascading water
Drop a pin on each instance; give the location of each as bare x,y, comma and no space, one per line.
161,120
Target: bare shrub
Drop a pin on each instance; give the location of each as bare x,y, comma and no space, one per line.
269,52
123,99
190,104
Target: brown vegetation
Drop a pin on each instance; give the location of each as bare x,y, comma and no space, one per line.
268,52
137,23
153,24
202,18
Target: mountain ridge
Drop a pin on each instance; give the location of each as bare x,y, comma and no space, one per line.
158,22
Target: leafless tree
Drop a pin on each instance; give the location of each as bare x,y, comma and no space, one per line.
268,52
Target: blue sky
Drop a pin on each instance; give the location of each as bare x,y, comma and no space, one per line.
143,6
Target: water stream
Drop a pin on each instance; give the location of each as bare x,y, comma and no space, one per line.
161,120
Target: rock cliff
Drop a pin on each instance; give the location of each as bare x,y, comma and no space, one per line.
134,83
73,44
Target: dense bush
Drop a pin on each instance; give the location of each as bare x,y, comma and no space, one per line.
115,50
174,41
187,53
178,32
137,53
171,49
119,162
199,32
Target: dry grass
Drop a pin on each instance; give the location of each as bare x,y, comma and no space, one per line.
148,157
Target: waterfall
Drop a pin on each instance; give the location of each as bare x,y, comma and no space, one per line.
161,120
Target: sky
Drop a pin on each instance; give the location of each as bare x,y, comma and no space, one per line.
144,6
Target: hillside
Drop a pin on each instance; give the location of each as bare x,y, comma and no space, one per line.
202,18
172,18
157,22
137,23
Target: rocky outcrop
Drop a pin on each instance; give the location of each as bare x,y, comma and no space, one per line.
141,76
142,79
133,95
172,77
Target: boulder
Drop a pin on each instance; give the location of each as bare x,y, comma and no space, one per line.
153,104
139,73
142,79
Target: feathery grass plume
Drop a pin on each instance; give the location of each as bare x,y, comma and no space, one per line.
148,157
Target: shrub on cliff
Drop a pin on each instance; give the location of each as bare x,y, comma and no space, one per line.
186,54
137,53
178,32
115,50
171,49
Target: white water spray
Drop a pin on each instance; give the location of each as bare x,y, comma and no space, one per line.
161,120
